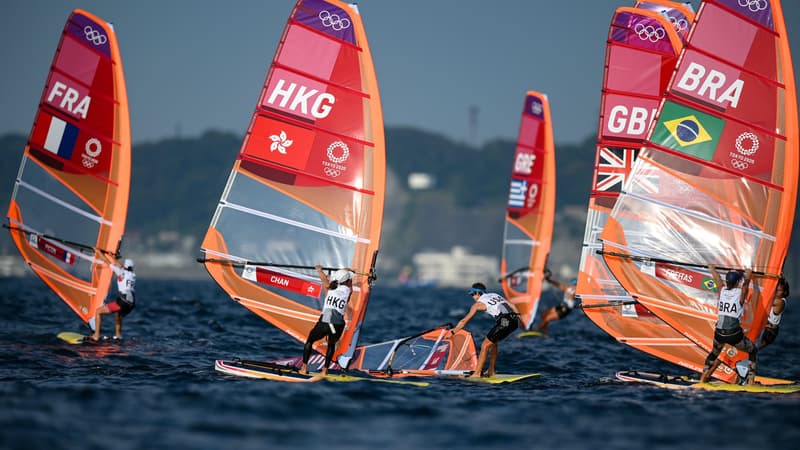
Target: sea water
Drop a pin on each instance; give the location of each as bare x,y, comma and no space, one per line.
157,389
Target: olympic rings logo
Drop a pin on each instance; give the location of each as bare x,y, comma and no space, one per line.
753,143
754,5
741,165
341,158
679,24
95,36
333,173
333,21
536,108
649,32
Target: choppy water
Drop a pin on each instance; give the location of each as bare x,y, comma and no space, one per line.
158,389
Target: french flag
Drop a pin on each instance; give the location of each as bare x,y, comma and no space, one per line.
61,137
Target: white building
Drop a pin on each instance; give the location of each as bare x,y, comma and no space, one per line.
456,268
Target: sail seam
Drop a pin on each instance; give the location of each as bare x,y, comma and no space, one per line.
690,213
66,205
275,218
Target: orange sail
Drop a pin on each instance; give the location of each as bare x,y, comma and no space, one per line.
717,180
70,199
642,51
308,185
531,208
430,353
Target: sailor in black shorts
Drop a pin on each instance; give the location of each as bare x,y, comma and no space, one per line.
561,310
506,321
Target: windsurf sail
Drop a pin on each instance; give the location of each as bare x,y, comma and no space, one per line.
429,353
717,179
641,54
531,208
308,184
70,200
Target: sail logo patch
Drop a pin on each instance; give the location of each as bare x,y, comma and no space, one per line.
712,84
338,152
523,163
91,150
687,131
280,143
516,196
746,147
613,168
331,20
633,122
522,194
69,99
61,136
300,99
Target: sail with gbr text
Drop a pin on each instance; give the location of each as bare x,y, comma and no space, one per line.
641,55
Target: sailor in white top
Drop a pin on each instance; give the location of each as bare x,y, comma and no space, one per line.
775,313
732,299
331,322
125,301
506,321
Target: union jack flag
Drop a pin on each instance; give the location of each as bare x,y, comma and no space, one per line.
613,167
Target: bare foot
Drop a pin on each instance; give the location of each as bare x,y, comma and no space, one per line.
303,370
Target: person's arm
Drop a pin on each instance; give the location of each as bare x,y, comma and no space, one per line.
463,322
513,307
716,277
115,266
322,276
748,275
556,284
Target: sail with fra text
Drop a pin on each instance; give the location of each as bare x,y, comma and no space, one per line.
308,184
69,205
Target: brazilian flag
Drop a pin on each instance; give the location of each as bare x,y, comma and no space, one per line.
688,131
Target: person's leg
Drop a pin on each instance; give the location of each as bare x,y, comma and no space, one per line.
98,318
493,359
547,316
118,326
333,338
711,361
746,345
316,334
485,347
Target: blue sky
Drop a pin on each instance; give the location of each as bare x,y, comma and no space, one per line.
192,65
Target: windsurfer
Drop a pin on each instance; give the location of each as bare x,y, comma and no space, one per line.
331,322
125,301
775,314
730,306
506,318
562,309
